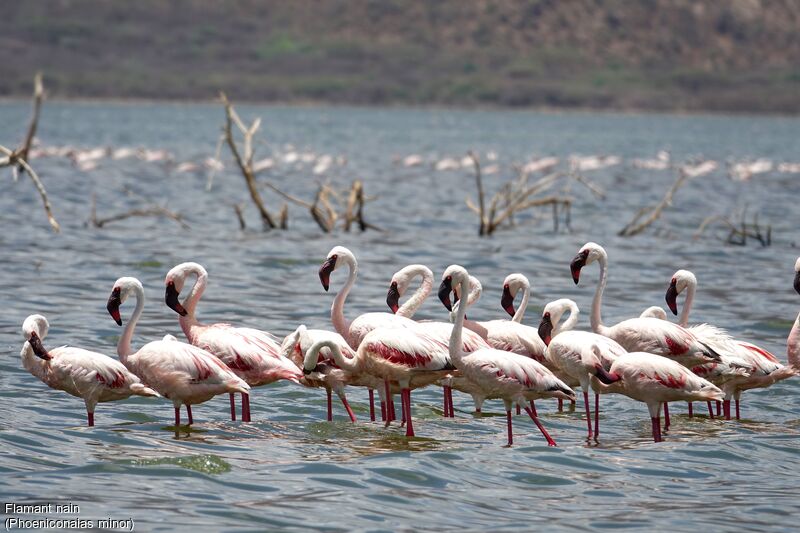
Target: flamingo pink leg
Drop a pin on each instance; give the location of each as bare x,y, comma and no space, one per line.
409,426
533,408
518,410
588,412
91,416
245,407
691,414
560,405
737,409
177,416
446,408
550,441
348,409
233,406
656,429
508,423
450,402
710,410
372,405
596,416
330,404
383,411
719,408
389,405
572,405
189,413
666,416
726,407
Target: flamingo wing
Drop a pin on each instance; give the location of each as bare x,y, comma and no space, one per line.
412,349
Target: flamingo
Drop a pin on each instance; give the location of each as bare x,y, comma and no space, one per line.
649,335
514,378
185,374
514,283
654,311
251,354
355,331
396,355
793,341
439,330
654,380
89,375
319,367
762,367
575,353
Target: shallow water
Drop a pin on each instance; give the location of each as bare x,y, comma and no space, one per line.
290,469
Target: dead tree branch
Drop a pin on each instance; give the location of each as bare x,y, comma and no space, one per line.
18,159
245,162
151,211
738,233
640,222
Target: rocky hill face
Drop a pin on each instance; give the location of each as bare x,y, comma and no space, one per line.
719,55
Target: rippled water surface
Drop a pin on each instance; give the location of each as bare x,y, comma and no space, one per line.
290,468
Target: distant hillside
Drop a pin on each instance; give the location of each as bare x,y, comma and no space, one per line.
739,55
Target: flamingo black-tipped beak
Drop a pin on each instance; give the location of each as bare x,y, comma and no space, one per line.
507,301
38,347
171,299
114,301
672,297
797,282
444,293
325,272
604,376
577,264
546,329
393,297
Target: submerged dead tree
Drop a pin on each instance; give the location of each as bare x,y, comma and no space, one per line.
150,209
517,196
738,231
18,159
244,160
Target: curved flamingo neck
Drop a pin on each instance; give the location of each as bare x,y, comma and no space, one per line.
410,307
340,323
597,302
571,320
312,356
793,345
455,347
523,305
192,299
124,344
687,305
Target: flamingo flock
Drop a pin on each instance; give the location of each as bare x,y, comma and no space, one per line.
646,358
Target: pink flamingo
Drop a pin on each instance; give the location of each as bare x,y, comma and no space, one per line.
576,353
763,368
654,380
793,341
318,365
440,331
514,378
89,375
185,374
355,331
251,354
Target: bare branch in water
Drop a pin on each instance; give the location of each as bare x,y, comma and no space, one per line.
151,211
640,222
738,233
14,159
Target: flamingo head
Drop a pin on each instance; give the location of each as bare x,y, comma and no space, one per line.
797,276
171,298
546,328
605,377
452,277
34,329
393,296
119,293
679,282
334,260
588,254
511,286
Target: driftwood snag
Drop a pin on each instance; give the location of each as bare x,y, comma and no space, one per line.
244,158
18,159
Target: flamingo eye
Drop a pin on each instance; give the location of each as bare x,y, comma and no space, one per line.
547,315
449,278
334,257
673,280
505,286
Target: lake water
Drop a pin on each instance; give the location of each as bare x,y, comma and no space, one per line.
290,469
